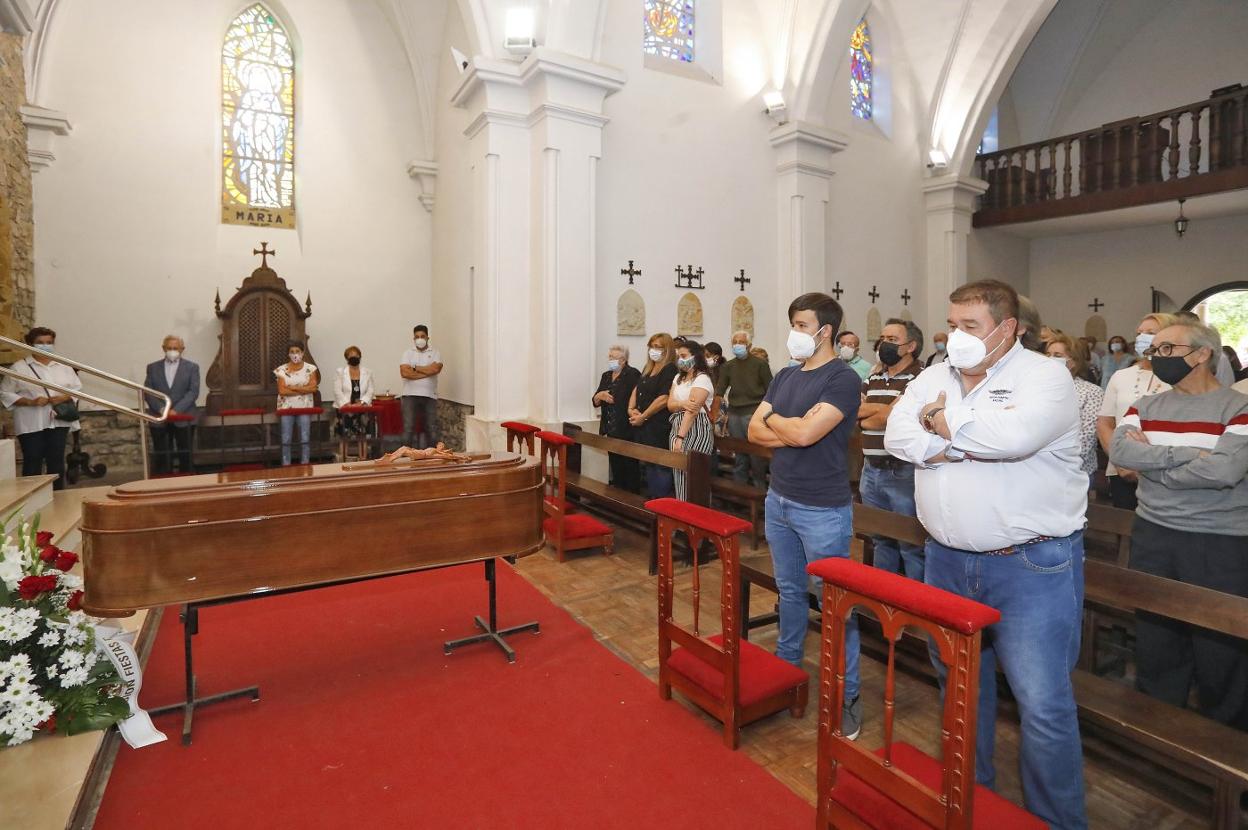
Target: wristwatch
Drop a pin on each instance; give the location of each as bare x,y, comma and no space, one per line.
930,416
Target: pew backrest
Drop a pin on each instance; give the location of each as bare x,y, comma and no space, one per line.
695,465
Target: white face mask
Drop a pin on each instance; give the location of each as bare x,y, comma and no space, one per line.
656,355
46,348
1115,347
296,358
420,342
712,362
847,352
172,354
1142,342
967,351
801,345
613,365
1057,358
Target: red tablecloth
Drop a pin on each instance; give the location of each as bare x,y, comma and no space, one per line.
390,418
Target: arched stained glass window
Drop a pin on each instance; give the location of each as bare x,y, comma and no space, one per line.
258,121
669,29
861,71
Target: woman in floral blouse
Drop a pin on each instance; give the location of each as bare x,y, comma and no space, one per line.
1062,348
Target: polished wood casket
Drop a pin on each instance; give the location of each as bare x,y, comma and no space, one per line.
194,538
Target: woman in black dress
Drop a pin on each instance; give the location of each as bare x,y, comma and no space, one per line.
647,410
615,388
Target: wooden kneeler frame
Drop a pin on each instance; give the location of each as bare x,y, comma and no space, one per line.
730,678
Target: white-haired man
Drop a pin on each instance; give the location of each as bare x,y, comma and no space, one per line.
744,380
178,378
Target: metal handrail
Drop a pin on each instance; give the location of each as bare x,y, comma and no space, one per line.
86,396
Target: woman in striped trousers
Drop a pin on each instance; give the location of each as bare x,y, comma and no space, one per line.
690,404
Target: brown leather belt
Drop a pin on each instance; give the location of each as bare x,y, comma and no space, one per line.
1013,549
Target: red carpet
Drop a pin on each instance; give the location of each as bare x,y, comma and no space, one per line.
364,723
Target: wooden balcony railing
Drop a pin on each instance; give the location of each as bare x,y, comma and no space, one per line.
1188,151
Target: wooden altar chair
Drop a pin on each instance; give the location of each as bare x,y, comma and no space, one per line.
565,529
899,787
730,678
520,433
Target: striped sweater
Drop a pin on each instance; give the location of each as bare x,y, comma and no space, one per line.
1192,471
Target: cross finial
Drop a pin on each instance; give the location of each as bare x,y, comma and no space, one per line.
264,253
873,294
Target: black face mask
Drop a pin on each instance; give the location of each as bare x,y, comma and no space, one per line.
353,361
1172,369
890,353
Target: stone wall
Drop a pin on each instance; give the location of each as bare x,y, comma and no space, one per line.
111,439
452,417
17,232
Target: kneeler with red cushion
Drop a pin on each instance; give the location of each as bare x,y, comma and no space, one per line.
520,433
564,529
728,677
899,787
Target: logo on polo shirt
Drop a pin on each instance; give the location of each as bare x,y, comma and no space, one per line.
1000,395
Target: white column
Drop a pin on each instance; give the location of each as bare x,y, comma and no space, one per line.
949,201
803,153
536,142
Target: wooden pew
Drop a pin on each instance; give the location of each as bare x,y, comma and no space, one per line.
739,493
1179,739
630,508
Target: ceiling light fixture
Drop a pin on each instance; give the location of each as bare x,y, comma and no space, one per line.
774,106
1180,224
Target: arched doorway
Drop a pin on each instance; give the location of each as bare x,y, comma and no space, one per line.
1225,306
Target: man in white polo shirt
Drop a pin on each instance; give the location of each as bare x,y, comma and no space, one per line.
420,369
994,437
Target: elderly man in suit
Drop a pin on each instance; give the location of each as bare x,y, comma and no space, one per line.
179,379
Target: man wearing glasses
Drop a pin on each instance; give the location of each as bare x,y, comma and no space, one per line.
1190,447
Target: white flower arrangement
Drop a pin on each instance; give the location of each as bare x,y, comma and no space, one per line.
51,676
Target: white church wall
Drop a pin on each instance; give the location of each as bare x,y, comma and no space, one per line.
876,217
453,223
996,254
688,178
1068,272
129,244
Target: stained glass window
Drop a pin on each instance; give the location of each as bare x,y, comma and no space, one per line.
258,121
861,74
669,29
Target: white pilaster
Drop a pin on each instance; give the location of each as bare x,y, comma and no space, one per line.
949,201
803,153
536,141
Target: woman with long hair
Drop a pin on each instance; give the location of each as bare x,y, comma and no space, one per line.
648,399
689,401
1090,396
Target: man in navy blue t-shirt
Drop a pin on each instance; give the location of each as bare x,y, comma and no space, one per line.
807,416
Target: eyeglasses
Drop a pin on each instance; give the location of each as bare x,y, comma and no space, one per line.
1167,350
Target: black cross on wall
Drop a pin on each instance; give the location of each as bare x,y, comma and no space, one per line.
873,294
742,280
1096,305
630,272
905,297
838,291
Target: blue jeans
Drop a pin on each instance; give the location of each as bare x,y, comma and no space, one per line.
892,489
799,534
305,436
1039,593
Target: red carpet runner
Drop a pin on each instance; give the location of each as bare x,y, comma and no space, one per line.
364,723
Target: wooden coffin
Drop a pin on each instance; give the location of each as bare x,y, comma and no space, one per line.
175,540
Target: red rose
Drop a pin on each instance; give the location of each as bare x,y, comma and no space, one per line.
66,560
75,601
49,553
49,724
32,586
43,538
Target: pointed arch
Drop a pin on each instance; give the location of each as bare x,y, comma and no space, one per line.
258,120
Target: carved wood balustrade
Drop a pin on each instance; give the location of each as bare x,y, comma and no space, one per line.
1190,150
